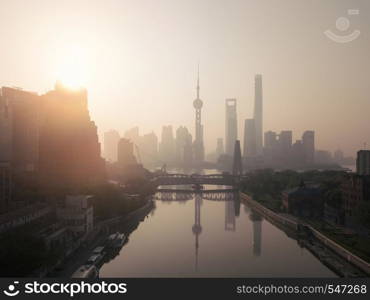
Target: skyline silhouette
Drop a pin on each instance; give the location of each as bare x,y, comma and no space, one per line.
131,58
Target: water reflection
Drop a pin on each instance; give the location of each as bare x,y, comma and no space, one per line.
206,234
197,227
257,232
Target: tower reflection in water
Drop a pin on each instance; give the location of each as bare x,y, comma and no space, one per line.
232,211
197,227
257,232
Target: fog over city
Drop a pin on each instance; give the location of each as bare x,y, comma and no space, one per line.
139,59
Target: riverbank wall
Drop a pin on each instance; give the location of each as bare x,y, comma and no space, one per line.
294,225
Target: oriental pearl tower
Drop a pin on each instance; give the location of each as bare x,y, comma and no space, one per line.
198,142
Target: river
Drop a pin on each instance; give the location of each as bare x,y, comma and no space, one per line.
193,237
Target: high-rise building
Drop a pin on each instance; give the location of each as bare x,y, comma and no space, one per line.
111,139
5,186
220,147
148,147
183,138
69,146
249,149
356,190
270,140
231,126
125,152
363,162
188,152
298,153
308,141
198,142
167,145
6,126
258,114
25,117
5,155
271,149
133,135
285,141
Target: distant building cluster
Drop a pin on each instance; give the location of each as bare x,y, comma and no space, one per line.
174,148
269,149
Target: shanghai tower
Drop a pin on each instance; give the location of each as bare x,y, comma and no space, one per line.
258,114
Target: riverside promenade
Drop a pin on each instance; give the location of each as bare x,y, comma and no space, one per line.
341,266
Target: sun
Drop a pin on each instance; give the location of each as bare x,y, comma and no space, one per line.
73,66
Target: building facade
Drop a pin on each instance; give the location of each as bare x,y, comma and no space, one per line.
125,152
69,147
231,126
250,146
308,141
25,109
258,114
77,214
111,139
363,162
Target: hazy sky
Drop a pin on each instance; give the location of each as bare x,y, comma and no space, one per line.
138,60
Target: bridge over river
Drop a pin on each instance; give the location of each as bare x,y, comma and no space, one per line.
197,179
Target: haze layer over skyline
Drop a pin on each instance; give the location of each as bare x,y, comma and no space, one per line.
138,60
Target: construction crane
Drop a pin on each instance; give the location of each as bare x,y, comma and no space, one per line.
137,150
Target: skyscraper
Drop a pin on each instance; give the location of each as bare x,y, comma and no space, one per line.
5,131
69,145
198,142
5,155
363,162
132,134
285,141
258,114
125,151
231,126
111,139
148,148
167,145
249,149
220,147
26,119
308,141
183,139
270,140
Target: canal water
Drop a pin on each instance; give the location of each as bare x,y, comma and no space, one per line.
195,236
